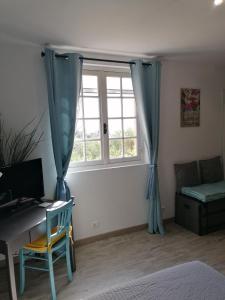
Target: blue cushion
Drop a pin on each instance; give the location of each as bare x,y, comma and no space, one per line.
206,192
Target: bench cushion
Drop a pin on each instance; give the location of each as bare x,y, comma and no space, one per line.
206,192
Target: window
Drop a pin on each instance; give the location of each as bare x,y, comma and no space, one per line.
106,127
88,141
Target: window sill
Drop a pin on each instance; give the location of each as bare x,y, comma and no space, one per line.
100,167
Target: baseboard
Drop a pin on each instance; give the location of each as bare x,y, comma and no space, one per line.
110,234
119,232
167,221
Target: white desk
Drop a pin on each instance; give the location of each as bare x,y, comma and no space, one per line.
11,228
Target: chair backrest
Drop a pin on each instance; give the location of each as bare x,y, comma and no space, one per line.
58,215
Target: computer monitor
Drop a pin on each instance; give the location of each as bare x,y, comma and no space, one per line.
23,180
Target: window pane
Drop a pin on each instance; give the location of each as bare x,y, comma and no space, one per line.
127,83
115,128
113,86
113,83
115,149
93,150
129,127
90,81
92,129
78,152
127,87
90,85
79,131
114,107
130,147
79,109
121,118
91,107
129,108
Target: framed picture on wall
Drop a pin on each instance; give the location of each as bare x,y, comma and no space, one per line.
190,107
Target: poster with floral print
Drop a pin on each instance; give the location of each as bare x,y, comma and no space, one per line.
190,107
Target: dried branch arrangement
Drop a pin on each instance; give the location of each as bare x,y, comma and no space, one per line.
16,147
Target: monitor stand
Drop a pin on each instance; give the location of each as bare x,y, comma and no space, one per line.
18,205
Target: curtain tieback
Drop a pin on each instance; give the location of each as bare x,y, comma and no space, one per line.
153,165
60,179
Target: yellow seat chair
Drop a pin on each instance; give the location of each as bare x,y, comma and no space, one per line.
57,238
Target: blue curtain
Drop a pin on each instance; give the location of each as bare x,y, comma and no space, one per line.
64,81
146,83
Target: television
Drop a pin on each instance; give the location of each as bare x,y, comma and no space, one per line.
22,180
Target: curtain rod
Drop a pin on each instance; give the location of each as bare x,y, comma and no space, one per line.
100,59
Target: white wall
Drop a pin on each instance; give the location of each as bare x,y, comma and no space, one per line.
115,198
23,97
183,144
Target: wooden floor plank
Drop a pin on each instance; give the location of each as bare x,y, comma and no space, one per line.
112,261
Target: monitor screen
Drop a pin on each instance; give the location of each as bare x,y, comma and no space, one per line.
23,180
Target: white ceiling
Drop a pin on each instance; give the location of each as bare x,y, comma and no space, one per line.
142,26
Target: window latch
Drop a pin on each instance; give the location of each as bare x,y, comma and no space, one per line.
105,128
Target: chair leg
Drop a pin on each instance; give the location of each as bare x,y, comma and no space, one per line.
22,272
51,275
68,261
46,261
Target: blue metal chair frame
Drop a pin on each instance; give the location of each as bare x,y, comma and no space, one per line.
62,215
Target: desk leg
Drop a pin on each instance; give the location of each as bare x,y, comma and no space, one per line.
72,256
11,273
72,249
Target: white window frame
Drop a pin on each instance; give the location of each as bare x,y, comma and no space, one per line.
106,161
